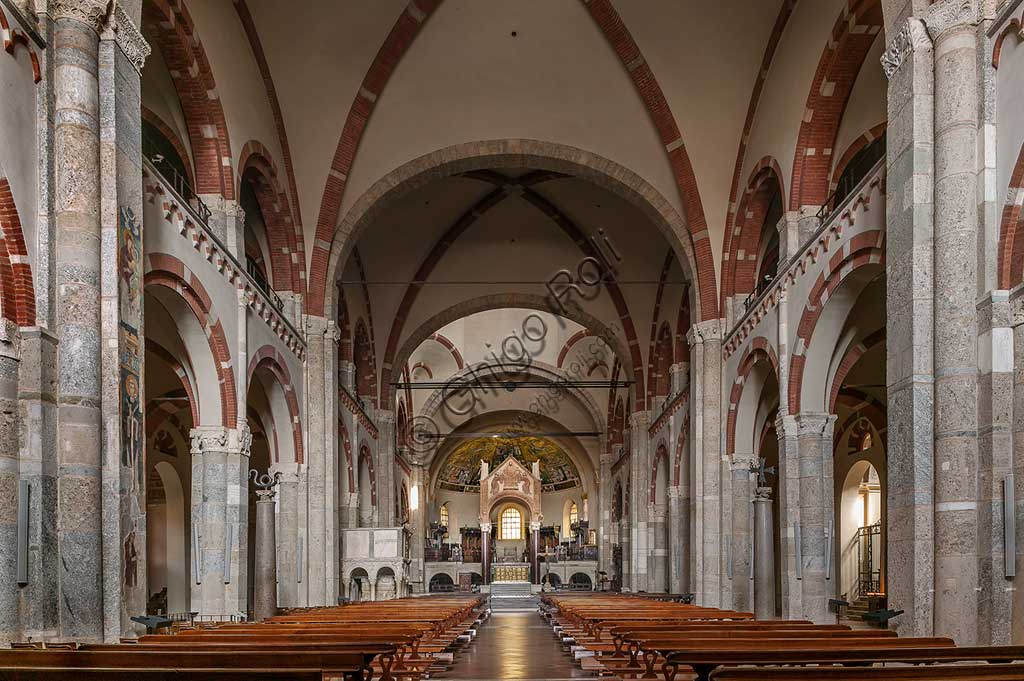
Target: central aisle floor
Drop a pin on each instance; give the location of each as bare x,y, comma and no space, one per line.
514,645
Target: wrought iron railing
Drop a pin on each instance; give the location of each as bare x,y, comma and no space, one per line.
261,282
869,579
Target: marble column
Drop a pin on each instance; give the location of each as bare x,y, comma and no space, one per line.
220,522
535,552
676,542
485,551
640,475
705,340
265,599
995,461
814,437
764,555
386,464
957,578
9,479
659,551
80,443
789,516
419,478
287,534
909,65
741,540
322,418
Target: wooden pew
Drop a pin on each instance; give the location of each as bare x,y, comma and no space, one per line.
158,665
945,672
702,661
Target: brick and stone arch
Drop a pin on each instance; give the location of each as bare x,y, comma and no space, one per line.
345,342
855,147
850,358
166,272
366,376
758,364
854,31
268,359
835,291
659,473
750,229
174,140
15,38
367,485
649,91
293,194
170,26
450,347
659,368
346,448
256,168
17,293
391,371
185,373
570,342
329,257
505,187
1011,231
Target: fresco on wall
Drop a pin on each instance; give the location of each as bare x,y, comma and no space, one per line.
461,470
129,249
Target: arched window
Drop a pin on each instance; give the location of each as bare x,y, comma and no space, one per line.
444,515
574,514
511,524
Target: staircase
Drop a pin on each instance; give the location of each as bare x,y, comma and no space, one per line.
858,608
510,590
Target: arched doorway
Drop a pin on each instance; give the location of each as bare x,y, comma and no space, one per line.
166,547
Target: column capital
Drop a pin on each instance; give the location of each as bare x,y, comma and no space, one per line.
741,462
763,494
707,330
233,209
221,439
640,419
912,36
92,13
315,325
673,492
485,527
946,14
813,423
534,526
286,472
332,332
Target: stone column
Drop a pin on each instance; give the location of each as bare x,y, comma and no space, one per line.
80,442
535,552
220,503
265,599
287,534
995,449
322,418
485,551
234,226
676,542
741,484
789,512
385,420
957,602
816,492
1017,606
705,340
9,479
909,65
764,555
659,551
640,475
418,522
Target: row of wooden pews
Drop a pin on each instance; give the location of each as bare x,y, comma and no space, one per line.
630,637
399,640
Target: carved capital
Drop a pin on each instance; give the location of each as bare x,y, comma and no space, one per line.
947,14
485,527
206,438
92,13
763,494
129,37
912,36
742,462
812,423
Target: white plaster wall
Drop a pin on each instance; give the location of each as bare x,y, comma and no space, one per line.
866,107
715,49
465,78
160,96
1009,104
784,97
239,83
19,158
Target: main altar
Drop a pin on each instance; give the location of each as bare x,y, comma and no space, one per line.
514,572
